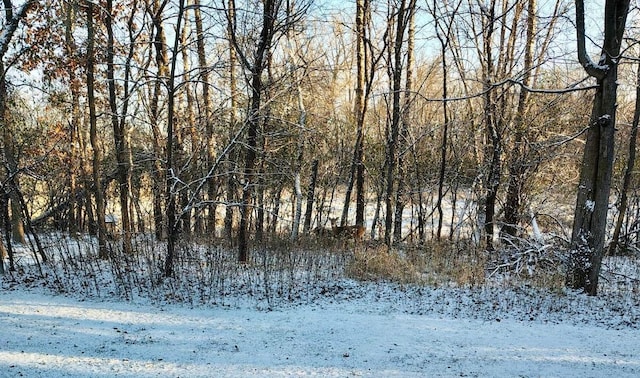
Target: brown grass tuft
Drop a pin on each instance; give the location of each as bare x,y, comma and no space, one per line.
436,264
376,262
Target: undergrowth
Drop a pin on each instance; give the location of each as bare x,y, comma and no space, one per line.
281,270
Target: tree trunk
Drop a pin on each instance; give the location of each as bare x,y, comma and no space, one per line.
297,186
399,201
256,69
3,254
11,164
206,112
188,217
302,125
260,186
4,207
592,203
231,165
171,194
27,218
11,22
118,125
98,192
74,123
405,123
518,166
628,173
262,157
393,133
444,37
357,167
159,180
276,199
310,196
493,144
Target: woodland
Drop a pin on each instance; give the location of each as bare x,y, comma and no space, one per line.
417,141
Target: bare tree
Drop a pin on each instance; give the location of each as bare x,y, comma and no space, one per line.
518,166
310,196
494,143
255,65
444,35
71,51
590,215
233,97
9,27
362,91
98,192
205,114
628,172
118,121
156,12
402,192
302,125
171,169
402,17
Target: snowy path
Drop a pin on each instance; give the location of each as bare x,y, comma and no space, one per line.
46,336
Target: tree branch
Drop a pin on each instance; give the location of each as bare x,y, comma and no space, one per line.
596,70
571,88
12,23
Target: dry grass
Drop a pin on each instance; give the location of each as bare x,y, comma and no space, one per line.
280,268
433,264
459,264
453,263
377,262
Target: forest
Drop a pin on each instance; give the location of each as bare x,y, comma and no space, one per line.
189,142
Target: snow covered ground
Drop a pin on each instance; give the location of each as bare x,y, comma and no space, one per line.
371,330
258,321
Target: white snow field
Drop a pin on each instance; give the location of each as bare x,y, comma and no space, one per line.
383,332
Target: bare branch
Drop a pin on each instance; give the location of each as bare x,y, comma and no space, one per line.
12,24
569,89
596,70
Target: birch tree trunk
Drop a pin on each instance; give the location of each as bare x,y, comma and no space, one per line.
302,126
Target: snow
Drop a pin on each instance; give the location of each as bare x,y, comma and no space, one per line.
110,318
370,330
590,205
